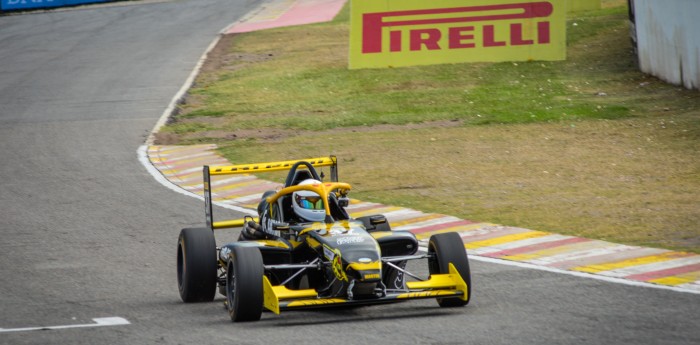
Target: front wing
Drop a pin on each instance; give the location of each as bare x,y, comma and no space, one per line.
279,298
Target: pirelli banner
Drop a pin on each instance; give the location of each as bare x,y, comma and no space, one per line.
394,33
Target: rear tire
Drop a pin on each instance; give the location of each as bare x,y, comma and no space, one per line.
196,265
244,288
449,248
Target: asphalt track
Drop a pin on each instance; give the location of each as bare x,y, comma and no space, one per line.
88,234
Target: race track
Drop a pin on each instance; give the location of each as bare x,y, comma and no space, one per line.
87,233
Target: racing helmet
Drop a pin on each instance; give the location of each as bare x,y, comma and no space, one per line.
307,204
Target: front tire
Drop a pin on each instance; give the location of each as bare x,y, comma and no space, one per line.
448,248
244,287
196,265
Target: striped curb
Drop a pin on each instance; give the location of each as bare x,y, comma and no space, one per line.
182,165
280,13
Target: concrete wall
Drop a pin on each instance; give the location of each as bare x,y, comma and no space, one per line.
668,39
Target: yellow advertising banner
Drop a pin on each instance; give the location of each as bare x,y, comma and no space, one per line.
394,33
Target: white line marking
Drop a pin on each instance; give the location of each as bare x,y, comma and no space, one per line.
189,157
695,286
143,158
584,254
143,150
651,267
579,274
99,322
181,93
522,243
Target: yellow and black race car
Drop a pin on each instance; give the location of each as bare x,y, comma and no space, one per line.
305,251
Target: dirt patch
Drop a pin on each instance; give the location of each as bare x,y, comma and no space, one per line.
222,57
273,135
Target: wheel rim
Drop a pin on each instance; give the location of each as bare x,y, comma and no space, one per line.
433,262
181,269
231,288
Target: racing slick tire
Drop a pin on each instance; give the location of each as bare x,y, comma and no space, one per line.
448,248
244,284
196,265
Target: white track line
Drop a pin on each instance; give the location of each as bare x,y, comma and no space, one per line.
181,93
99,322
143,158
143,150
578,274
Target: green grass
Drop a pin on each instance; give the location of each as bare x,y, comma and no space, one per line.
307,86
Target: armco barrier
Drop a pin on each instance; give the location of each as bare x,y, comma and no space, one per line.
666,34
14,5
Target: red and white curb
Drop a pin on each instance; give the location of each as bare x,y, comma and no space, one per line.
281,13
180,167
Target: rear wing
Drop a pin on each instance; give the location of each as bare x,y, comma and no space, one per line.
208,171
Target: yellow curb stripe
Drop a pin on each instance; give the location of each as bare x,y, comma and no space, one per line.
416,220
196,176
630,262
238,196
219,189
505,239
244,194
684,278
557,250
177,148
249,206
178,172
204,159
242,177
375,211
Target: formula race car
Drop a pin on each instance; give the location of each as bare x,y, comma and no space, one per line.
305,251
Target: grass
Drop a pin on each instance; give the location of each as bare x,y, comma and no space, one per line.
588,146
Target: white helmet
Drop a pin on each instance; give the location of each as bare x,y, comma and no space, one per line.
307,204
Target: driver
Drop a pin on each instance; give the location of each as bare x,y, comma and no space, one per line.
308,205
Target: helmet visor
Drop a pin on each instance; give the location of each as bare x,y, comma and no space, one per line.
310,202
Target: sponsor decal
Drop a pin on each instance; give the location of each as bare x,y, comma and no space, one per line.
387,33
349,239
328,253
23,2
399,281
424,294
308,302
369,276
333,255
345,229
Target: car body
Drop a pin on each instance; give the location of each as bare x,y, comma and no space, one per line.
283,263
